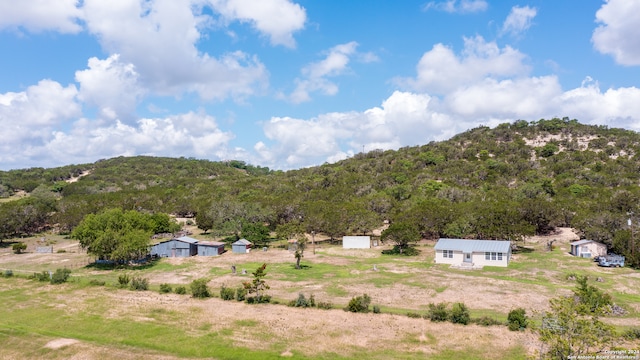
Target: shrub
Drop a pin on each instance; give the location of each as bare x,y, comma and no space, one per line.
517,319
139,284
325,305
301,301
199,288
376,309
19,247
264,299
312,301
414,315
123,280
632,334
241,293
460,314
227,293
407,251
43,276
487,321
8,273
181,290
438,312
95,282
359,304
60,276
165,288
61,251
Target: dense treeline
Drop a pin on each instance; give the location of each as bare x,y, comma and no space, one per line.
515,180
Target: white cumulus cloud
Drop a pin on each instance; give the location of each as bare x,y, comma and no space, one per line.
41,15
440,70
111,86
277,19
618,33
159,38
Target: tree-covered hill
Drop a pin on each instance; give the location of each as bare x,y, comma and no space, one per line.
514,180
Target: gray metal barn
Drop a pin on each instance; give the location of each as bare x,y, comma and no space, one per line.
241,246
210,248
178,247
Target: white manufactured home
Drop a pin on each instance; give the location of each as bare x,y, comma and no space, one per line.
473,253
356,242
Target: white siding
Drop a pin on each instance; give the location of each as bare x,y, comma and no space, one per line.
356,242
457,258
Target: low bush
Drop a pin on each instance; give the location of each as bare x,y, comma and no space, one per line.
227,293
60,276
409,251
632,334
8,273
359,304
241,293
95,282
123,280
324,305
414,315
376,309
61,251
438,312
486,321
180,290
139,283
199,289
460,314
43,276
165,288
263,299
19,247
301,301
517,319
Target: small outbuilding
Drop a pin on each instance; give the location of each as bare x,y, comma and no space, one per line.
183,246
210,248
242,246
356,242
588,248
473,253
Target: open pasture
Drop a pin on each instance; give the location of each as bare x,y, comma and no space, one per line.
77,320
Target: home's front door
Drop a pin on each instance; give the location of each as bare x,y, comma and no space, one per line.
467,257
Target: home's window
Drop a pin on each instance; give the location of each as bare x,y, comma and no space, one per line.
447,253
493,256
500,256
487,255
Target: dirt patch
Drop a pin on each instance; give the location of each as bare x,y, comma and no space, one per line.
60,343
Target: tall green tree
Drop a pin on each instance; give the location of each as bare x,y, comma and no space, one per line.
115,234
401,234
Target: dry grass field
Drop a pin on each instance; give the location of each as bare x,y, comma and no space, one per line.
79,321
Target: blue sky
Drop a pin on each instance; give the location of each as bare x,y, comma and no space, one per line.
290,84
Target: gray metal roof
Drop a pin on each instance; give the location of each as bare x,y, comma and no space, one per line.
211,243
469,246
242,242
187,239
580,242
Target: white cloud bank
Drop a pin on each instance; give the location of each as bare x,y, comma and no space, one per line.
618,33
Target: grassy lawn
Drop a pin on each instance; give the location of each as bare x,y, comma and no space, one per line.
155,326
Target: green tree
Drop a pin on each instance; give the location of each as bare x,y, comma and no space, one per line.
258,285
115,234
572,327
257,233
402,235
301,245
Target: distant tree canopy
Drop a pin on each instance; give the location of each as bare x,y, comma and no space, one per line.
119,235
507,182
